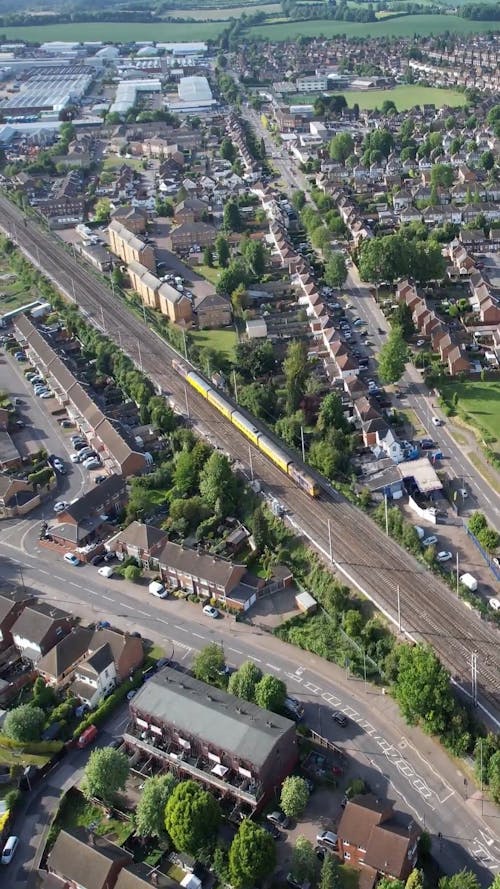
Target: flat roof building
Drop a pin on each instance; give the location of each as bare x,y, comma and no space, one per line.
237,749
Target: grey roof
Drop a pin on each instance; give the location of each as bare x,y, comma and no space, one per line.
194,563
9,600
96,499
36,620
84,858
97,662
66,652
222,720
139,876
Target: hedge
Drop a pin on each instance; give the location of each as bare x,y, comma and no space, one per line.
32,747
98,716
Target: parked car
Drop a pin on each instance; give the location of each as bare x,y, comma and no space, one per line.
99,479
98,559
420,343
60,505
444,556
279,819
271,829
92,464
327,838
210,611
106,571
110,557
76,458
71,559
9,850
430,541
47,394
339,717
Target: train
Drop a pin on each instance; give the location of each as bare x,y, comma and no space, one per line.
261,441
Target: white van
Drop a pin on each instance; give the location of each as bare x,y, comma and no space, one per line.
9,850
469,581
495,604
157,589
106,571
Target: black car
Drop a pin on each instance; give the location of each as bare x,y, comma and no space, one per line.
271,830
339,717
279,819
97,560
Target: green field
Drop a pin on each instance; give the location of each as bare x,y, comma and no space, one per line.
404,96
406,26
220,340
117,32
202,13
479,400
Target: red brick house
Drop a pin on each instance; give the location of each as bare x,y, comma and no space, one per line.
371,837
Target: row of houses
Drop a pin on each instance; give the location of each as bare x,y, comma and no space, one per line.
122,456
426,321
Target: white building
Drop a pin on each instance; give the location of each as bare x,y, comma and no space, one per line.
194,95
312,84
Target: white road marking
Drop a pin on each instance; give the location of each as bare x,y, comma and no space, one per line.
145,613
252,658
198,636
235,650
273,667
123,605
182,629
161,621
108,598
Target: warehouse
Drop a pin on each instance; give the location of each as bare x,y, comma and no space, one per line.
238,750
50,91
194,94
126,94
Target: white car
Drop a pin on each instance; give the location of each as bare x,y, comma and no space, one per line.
72,559
9,850
92,463
210,611
436,421
420,343
444,556
106,571
430,541
60,505
463,493
75,458
58,464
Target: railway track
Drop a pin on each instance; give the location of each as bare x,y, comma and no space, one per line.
365,557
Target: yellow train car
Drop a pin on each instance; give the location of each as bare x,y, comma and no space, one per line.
220,403
198,383
278,456
246,427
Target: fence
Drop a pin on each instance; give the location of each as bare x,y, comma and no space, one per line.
488,558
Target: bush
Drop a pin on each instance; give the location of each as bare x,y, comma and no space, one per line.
11,799
98,716
31,747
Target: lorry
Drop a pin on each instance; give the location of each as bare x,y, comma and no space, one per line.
469,581
87,737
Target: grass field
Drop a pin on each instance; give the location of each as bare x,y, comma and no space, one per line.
117,32
202,14
405,26
12,294
404,97
221,340
112,161
480,401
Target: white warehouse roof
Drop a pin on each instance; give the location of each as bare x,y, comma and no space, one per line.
127,90
194,89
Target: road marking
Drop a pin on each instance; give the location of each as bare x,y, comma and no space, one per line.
77,585
235,650
182,629
92,592
315,689
108,598
273,667
42,571
256,659
145,613
368,728
161,621
122,604
62,579
198,636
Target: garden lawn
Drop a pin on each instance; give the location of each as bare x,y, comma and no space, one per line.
211,274
479,400
116,160
75,811
349,877
11,757
220,340
405,26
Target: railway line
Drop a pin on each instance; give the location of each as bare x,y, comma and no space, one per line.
361,553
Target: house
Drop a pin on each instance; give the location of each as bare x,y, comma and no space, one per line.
85,860
190,210
239,750
140,541
199,573
38,628
371,837
213,311
132,218
176,306
17,497
57,666
11,606
129,247
457,362
82,520
111,658
192,234
142,876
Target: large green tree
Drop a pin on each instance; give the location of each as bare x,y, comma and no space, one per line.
218,485
105,774
232,221
244,681
254,254
270,693
331,413
150,810
294,796
335,270
192,818
295,370
304,863
393,357
341,147
464,879
330,874
422,688
252,855
222,250
24,723
209,664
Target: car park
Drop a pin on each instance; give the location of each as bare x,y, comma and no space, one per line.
430,541
71,559
279,819
339,717
444,556
210,611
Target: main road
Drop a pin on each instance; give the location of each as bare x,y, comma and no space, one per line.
405,592
395,760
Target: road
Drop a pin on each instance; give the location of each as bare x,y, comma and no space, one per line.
396,761
421,402
379,568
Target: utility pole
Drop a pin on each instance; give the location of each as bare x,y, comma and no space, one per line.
102,320
458,575
473,664
330,545
251,461
364,666
73,289
22,577
386,514
399,607
185,343
235,385
140,355
187,402
302,443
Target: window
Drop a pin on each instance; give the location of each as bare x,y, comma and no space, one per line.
360,849
347,856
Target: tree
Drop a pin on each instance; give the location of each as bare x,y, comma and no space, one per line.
208,257
222,250
270,693
489,539
494,776
341,147
254,254
330,875
298,200
252,855
487,160
331,413
24,723
294,796
415,880
393,357
105,774
227,150
232,217
192,818
243,682
477,523
402,317
442,176
295,370
150,811
335,270
43,695
231,277
218,485
422,688
465,879
102,210
209,664
132,572
304,861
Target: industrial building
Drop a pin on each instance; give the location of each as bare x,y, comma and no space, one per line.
49,91
194,94
126,93
237,750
